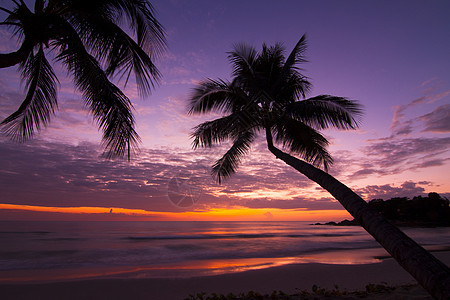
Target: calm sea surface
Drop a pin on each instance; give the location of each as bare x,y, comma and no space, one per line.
43,251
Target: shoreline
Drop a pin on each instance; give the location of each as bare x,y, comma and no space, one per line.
287,278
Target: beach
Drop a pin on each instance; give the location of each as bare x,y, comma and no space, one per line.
171,260
288,278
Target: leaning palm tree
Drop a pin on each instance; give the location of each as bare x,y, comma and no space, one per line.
85,37
268,95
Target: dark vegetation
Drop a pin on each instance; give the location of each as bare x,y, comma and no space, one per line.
430,211
315,293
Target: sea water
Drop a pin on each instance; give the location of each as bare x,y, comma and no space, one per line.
57,250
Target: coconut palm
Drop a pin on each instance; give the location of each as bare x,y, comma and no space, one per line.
85,37
267,94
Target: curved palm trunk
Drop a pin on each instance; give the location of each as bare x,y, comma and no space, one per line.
431,273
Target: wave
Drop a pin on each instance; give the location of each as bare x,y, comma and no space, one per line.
25,232
28,254
201,237
317,235
228,236
56,239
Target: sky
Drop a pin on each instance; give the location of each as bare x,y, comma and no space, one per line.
391,56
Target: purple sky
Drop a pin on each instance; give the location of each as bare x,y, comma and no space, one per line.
392,56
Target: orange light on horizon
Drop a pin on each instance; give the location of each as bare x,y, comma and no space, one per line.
80,209
214,214
266,214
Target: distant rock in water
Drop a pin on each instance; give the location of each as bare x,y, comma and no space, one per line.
341,223
431,211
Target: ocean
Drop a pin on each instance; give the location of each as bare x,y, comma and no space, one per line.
37,251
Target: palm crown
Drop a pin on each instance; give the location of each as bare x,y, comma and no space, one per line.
85,36
268,94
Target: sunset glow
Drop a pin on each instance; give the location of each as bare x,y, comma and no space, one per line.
231,214
197,149
400,150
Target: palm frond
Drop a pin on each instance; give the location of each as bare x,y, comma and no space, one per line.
293,85
40,101
269,65
209,133
299,138
111,109
243,58
10,23
326,111
228,163
121,54
214,132
290,89
39,6
271,58
99,29
216,95
140,14
296,56
15,19
6,10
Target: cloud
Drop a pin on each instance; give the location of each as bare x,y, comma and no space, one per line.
363,173
433,163
269,215
413,153
402,126
41,172
387,191
296,203
406,149
399,126
53,174
438,121
46,173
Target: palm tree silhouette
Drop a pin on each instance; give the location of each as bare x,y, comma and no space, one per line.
268,94
85,37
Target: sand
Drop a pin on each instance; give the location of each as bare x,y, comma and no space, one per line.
289,278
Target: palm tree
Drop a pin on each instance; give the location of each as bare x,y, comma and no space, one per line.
268,95
85,37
